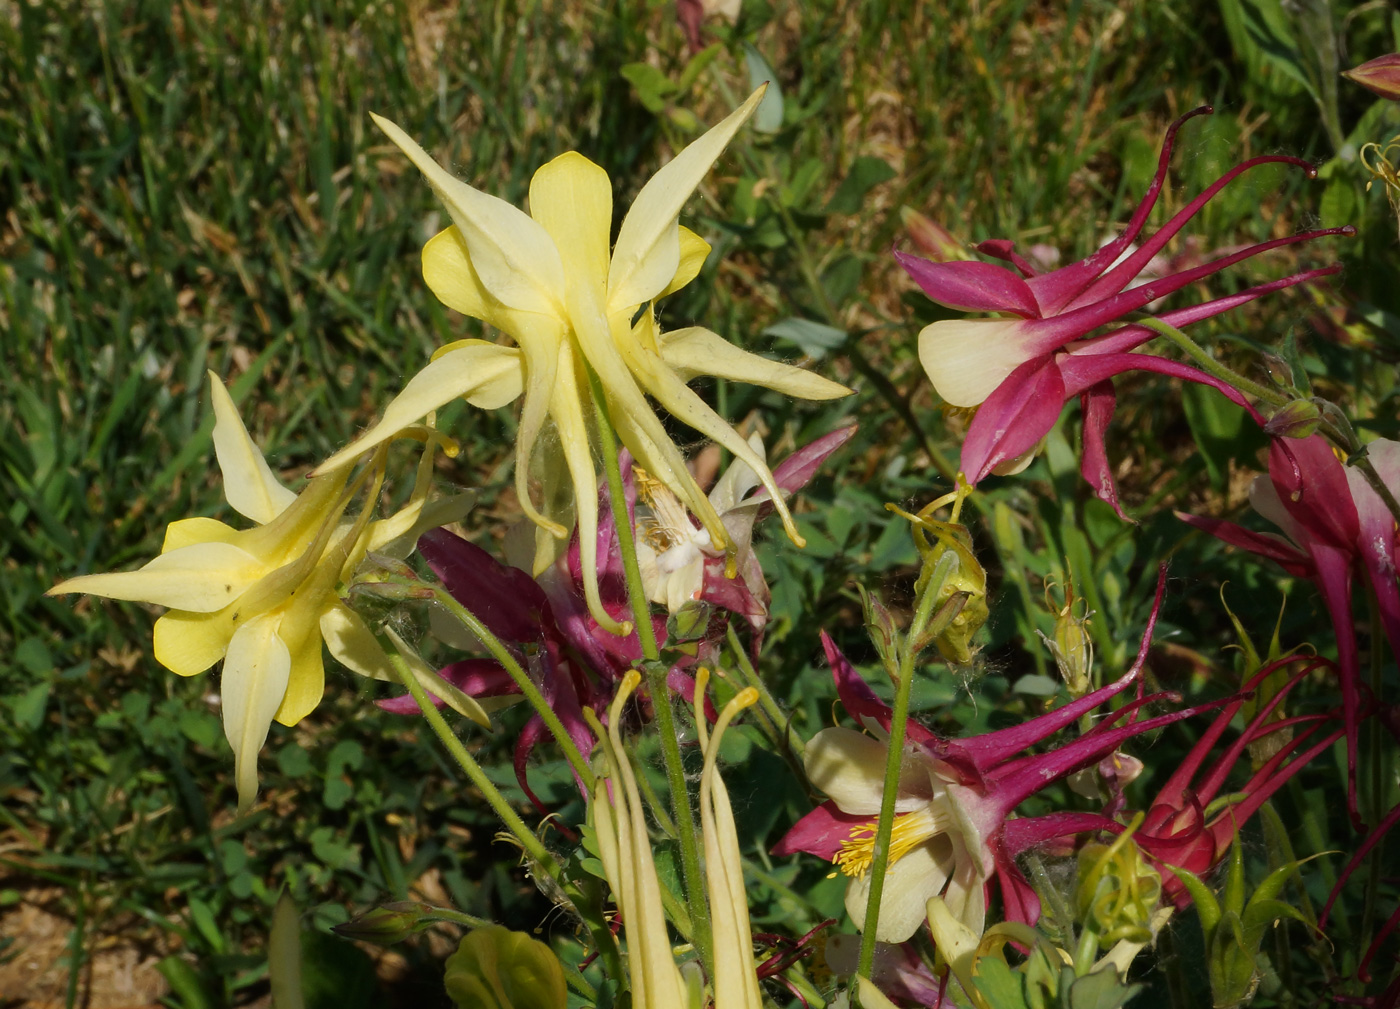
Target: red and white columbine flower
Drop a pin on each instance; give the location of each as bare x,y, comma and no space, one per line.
1336,525
1021,367
952,831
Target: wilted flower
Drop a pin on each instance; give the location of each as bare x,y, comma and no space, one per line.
1335,524
262,599
547,280
1022,367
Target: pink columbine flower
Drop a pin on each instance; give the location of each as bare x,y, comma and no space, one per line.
1176,832
1021,367
1335,524
952,831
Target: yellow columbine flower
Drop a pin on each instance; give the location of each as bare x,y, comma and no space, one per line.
263,599
546,279
625,849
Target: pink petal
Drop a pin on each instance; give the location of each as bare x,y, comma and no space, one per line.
1096,403
1265,545
1021,410
1055,290
820,832
860,701
971,286
507,600
1003,248
474,677
1312,484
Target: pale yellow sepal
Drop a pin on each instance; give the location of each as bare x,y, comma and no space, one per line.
695,351
482,368
249,485
648,250
513,256
201,578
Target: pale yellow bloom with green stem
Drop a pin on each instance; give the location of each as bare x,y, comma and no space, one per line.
547,280
264,599
625,849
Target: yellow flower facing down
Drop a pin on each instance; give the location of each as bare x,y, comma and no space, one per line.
263,599
547,280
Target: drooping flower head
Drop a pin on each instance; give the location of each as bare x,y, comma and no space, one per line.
1022,366
263,599
547,280
952,831
1336,526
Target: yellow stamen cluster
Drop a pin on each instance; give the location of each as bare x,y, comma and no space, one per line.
910,830
669,522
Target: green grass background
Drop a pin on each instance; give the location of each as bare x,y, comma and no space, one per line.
188,187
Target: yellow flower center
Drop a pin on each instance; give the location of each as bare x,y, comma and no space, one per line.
910,830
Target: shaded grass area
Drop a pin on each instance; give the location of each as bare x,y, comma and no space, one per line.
190,188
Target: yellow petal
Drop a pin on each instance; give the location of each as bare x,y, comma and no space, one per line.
870,996
572,198
249,485
187,532
513,256
200,578
189,643
306,680
648,252
482,368
397,536
448,272
966,359
694,251
957,944
353,644
255,676
696,351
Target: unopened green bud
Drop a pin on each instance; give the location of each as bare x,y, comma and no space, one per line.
1297,419
1072,647
935,540
1380,75
495,968
388,923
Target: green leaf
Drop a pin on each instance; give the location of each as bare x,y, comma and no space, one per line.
998,983
185,986
768,117
651,85
866,173
27,709
814,338
697,65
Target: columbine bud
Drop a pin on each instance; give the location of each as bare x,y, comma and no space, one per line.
1298,419
931,238
1381,75
495,968
934,541
1072,647
388,923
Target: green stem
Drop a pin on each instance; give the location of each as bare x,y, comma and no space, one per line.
656,672
527,686
894,757
544,861
1211,366
1060,916
767,703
